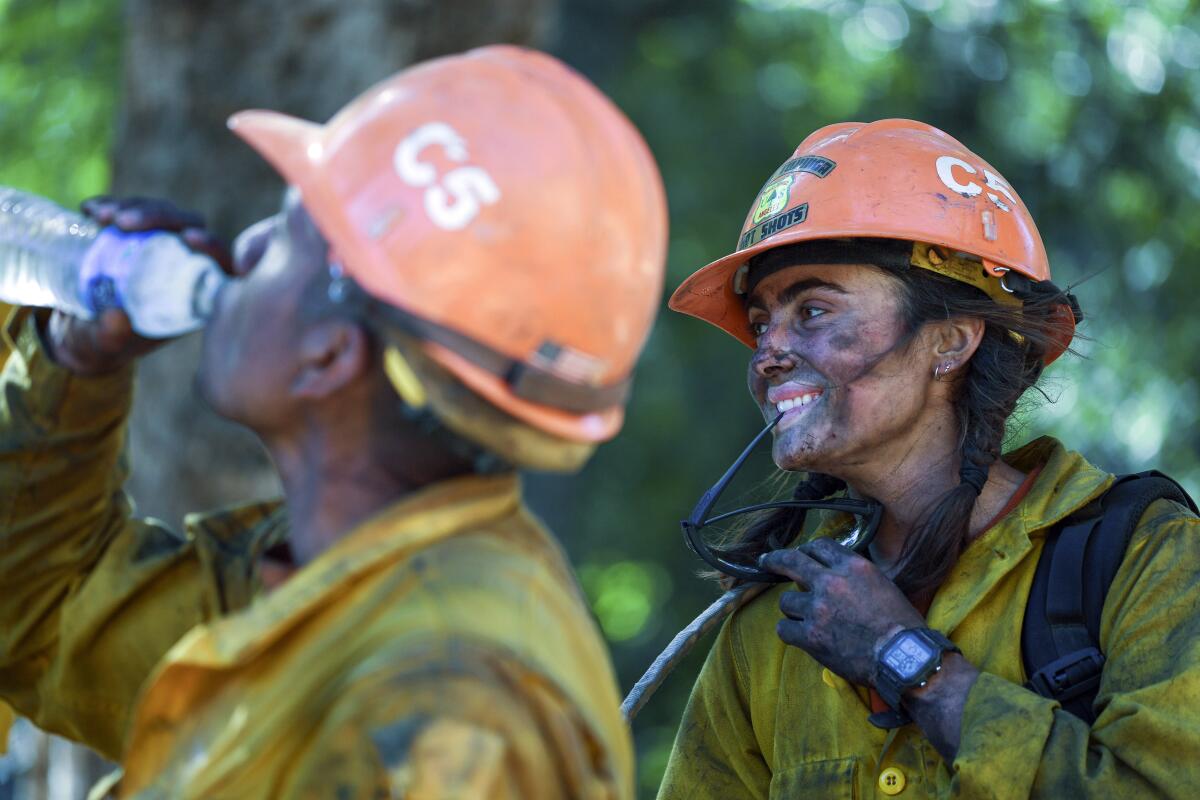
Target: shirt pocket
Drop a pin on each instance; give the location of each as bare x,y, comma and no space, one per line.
835,779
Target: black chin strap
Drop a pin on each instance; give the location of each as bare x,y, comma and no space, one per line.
347,295
482,460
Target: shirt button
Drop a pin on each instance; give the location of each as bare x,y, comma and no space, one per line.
891,781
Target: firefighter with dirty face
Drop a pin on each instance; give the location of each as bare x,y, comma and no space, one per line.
465,267
897,298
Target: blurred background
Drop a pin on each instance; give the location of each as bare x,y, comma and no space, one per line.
1088,107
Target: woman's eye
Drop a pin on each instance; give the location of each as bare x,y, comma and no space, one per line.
809,312
758,329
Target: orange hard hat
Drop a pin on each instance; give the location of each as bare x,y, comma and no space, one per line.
892,179
508,211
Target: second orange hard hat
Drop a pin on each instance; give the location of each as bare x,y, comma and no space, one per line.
892,179
509,210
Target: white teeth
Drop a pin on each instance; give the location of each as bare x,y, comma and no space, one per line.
793,402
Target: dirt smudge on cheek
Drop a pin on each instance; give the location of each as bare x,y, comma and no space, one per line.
839,412
845,340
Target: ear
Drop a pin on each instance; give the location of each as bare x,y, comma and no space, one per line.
953,342
333,354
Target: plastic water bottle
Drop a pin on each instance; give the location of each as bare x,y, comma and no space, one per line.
55,258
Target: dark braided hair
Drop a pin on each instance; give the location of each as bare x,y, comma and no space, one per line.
1008,361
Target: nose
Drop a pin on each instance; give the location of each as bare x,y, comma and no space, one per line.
774,355
249,247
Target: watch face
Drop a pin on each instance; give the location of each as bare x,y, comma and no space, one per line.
908,655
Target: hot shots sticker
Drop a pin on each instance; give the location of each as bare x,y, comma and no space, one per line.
773,225
773,198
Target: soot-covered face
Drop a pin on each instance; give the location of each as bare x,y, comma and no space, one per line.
251,351
835,357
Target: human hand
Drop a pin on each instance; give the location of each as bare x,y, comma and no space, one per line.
107,343
96,346
845,610
148,213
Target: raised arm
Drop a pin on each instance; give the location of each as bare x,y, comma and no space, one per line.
92,597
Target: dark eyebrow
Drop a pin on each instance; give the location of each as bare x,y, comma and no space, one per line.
788,295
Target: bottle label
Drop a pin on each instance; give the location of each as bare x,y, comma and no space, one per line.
101,294
107,266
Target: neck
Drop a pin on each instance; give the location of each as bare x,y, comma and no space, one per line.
909,479
333,482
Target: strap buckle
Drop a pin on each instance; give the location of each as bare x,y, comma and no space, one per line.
1070,676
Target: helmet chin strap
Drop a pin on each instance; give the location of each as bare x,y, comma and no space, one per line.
416,409
422,417
413,396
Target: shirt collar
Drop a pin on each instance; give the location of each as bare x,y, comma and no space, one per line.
396,533
1066,484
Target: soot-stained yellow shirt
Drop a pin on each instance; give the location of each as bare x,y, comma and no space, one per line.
442,649
765,720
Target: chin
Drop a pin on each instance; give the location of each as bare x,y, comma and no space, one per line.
798,451
207,386
203,389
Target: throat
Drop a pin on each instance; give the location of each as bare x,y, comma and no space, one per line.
1004,491
1006,487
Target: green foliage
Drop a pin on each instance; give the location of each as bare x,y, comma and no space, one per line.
59,86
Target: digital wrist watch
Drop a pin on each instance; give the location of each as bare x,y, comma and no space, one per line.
908,660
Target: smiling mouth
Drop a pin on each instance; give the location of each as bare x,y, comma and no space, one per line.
791,403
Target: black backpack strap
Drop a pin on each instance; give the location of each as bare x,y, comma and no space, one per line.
1060,638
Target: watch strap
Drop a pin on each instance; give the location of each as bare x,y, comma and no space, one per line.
940,639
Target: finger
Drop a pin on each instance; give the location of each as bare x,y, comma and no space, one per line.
796,605
828,552
113,331
201,241
142,213
115,335
100,208
792,632
157,219
792,564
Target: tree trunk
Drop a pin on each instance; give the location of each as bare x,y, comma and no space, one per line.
188,66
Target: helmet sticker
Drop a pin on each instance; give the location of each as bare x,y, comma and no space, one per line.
456,199
774,225
945,171
813,165
773,198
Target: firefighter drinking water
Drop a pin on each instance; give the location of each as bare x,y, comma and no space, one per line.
404,334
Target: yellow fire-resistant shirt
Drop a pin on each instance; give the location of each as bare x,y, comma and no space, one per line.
441,649
766,720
